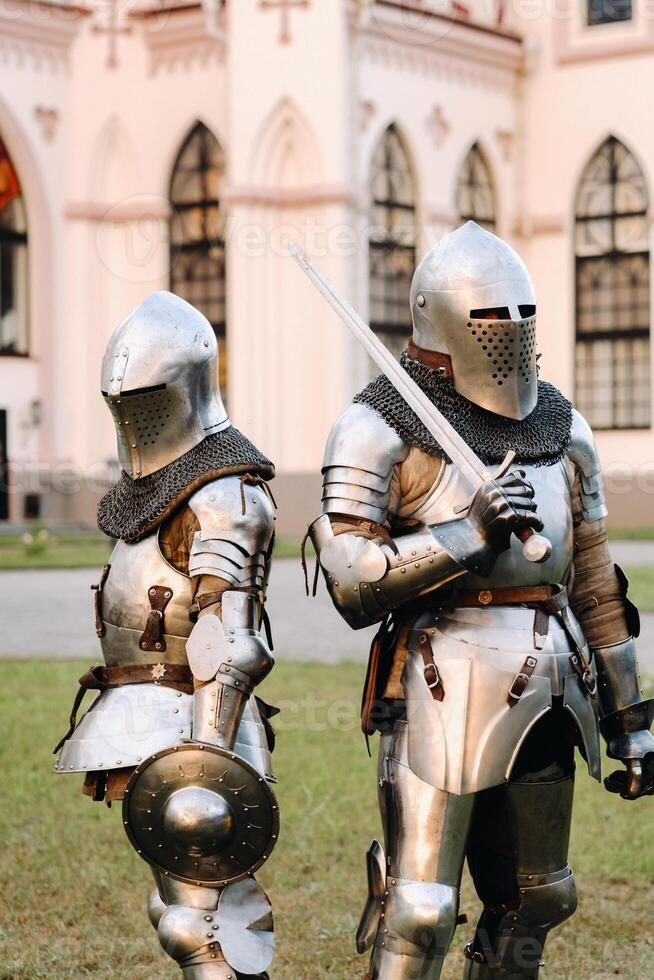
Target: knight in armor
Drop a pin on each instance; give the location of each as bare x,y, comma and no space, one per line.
487,670
176,731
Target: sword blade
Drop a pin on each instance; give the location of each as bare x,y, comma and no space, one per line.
454,446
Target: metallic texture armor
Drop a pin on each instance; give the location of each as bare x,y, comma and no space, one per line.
124,726
159,381
465,765
583,453
367,580
125,605
212,933
470,740
360,455
626,716
472,299
228,655
523,878
236,523
189,813
191,766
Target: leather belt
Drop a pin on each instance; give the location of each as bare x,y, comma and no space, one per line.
552,598
546,600
177,676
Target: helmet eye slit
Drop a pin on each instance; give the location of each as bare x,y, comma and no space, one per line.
491,313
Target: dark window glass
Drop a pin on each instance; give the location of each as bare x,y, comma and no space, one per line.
612,291
13,261
608,11
197,232
392,241
475,193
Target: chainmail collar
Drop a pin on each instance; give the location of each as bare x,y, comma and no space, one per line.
540,439
134,508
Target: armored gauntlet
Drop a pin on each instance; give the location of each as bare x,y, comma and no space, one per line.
625,719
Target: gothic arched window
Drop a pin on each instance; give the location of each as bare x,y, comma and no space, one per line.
612,290
475,192
13,261
392,241
197,232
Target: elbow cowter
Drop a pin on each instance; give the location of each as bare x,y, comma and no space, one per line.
369,578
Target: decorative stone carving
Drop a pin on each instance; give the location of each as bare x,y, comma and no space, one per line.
48,120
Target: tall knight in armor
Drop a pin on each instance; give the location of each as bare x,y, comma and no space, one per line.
175,731
487,669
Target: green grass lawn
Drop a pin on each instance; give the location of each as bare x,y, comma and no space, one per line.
74,892
53,550
641,586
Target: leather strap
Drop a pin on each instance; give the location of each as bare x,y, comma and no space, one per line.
520,681
152,637
431,358
584,673
202,601
98,589
431,675
99,678
551,598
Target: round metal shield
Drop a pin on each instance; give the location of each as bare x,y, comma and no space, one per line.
201,814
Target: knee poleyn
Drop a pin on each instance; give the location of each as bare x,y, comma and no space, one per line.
184,931
548,903
418,918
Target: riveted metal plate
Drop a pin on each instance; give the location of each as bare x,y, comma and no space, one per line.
198,781
246,927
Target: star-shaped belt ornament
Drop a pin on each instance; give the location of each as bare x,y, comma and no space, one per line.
158,671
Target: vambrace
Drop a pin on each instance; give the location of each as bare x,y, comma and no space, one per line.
369,577
226,651
228,657
625,716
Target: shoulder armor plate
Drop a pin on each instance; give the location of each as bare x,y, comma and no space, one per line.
583,453
360,455
236,528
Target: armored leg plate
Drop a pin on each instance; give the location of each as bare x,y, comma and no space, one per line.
518,859
216,934
376,865
414,893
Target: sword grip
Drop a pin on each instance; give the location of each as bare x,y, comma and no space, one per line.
535,547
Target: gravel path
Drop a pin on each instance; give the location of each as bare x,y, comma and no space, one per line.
49,613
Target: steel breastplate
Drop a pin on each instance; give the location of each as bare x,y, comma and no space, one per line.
552,487
126,606
469,741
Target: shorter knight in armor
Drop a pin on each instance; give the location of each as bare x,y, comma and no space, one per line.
176,731
488,668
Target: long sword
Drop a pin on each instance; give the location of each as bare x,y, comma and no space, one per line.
536,548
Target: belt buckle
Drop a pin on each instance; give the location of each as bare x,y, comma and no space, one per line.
518,686
485,597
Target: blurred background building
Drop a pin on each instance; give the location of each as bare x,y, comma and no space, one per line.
179,145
